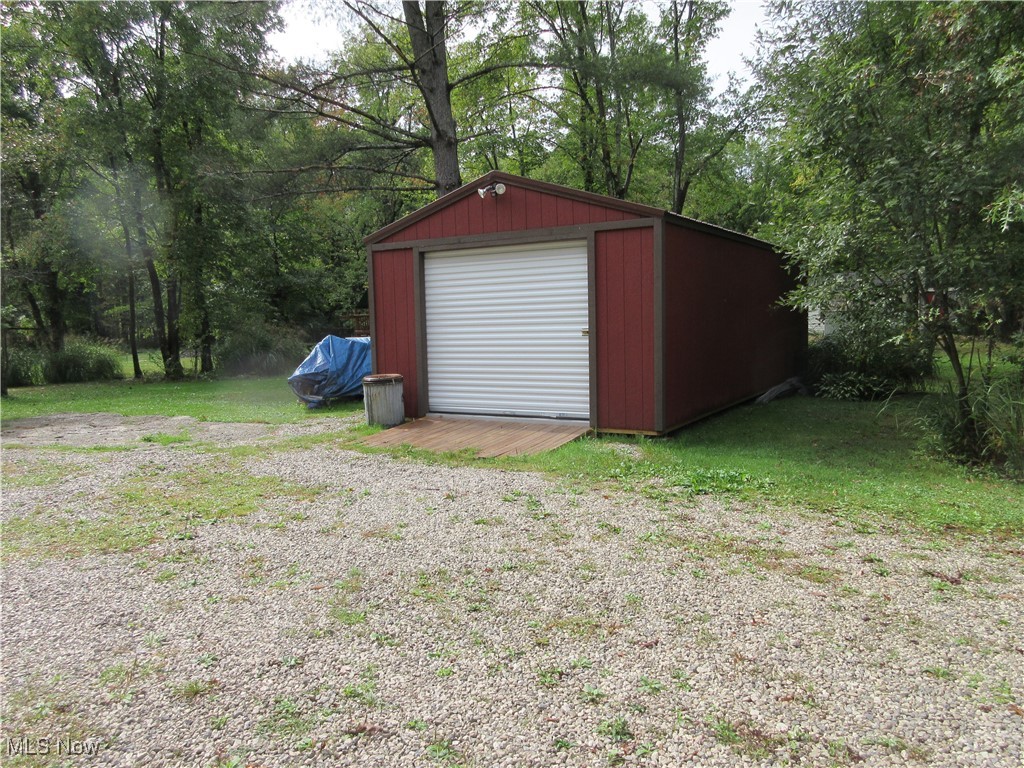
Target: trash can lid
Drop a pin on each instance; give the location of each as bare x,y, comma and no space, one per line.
382,378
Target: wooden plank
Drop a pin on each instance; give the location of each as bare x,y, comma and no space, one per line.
539,441
489,437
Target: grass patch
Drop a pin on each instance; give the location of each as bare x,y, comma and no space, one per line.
264,400
164,438
38,474
852,459
148,509
42,706
287,720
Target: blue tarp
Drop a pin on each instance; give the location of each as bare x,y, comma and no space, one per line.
334,369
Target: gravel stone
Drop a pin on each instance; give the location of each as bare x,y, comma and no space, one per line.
396,613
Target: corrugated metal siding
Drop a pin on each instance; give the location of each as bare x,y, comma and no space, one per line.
516,210
624,273
505,331
725,339
395,321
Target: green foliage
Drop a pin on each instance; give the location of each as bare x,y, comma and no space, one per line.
867,363
81,360
261,350
985,427
898,122
24,367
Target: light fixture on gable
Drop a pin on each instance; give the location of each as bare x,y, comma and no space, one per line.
494,189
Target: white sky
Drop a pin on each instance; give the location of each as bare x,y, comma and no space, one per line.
308,39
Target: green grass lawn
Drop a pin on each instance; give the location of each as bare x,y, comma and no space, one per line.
855,460
267,400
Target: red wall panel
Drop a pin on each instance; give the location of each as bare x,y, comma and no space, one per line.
394,310
515,210
624,290
725,340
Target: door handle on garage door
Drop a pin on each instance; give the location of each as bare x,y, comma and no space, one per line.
585,332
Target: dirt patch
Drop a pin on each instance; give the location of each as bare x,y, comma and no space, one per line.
93,429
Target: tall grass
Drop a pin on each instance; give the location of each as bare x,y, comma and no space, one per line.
985,428
81,360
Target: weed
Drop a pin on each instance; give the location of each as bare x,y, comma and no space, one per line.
383,532
745,738
219,722
443,672
562,745
1003,693
153,640
681,680
193,689
939,673
163,438
617,729
892,743
550,676
346,616
817,574
444,752
286,720
842,753
144,510
365,690
651,686
416,725
592,695
724,731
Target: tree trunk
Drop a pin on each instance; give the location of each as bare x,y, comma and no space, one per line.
205,343
679,186
172,364
430,70
4,362
133,341
55,304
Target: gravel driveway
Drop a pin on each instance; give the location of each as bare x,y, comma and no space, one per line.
256,596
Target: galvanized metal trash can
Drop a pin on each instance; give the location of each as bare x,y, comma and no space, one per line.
382,397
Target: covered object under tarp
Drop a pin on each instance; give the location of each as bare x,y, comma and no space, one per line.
333,370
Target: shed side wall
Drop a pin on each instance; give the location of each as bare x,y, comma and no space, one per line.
725,340
624,292
516,210
394,332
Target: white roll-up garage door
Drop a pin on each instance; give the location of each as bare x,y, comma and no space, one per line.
506,331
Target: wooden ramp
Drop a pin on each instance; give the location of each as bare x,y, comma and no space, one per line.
490,437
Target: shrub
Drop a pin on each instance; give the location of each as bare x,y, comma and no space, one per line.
24,367
987,428
263,350
865,363
81,360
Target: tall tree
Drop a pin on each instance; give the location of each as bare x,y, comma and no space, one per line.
391,90
903,128
37,171
150,109
701,129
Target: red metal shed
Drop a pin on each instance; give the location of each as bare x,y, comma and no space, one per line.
514,297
